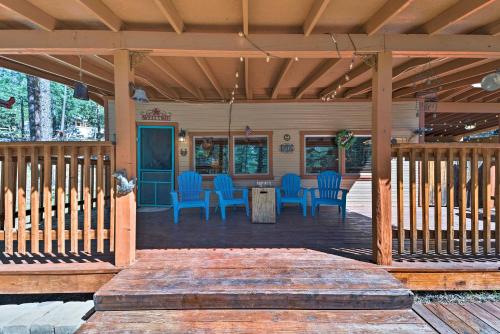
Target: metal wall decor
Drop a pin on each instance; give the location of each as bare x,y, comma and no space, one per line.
287,148
287,137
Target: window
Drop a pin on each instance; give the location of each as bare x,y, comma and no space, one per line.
211,155
358,158
251,155
321,154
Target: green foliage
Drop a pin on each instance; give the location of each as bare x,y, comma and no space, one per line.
15,84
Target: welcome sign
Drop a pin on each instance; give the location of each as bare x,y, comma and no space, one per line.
156,114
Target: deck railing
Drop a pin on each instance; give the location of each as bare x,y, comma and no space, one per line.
62,202
443,177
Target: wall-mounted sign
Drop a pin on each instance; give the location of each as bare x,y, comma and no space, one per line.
286,137
287,148
156,114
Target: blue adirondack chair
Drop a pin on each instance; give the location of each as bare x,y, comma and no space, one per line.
328,190
291,191
225,191
190,194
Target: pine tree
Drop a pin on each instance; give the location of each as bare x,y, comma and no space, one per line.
34,107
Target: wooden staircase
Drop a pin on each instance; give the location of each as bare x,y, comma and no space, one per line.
228,290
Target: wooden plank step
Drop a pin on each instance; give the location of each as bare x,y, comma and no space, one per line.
255,321
244,279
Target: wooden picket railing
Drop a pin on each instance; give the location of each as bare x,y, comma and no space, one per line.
57,197
452,175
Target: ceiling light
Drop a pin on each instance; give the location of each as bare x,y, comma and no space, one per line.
476,85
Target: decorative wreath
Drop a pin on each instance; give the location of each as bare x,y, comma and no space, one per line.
345,138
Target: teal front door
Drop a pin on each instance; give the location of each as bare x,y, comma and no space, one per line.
156,161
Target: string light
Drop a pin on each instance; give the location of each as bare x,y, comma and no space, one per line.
268,59
237,74
241,59
241,34
296,58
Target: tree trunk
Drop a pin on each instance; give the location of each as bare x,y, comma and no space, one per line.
45,110
34,107
63,114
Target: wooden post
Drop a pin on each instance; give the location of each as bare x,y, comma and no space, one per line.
381,158
126,158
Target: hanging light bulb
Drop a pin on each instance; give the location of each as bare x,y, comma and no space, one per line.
346,77
296,58
237,74
268,59
236,86
241,59
241,34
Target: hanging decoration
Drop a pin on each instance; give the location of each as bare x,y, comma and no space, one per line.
248,131
124,186
345,138
8,103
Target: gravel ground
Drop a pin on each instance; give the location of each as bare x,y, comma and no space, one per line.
457,297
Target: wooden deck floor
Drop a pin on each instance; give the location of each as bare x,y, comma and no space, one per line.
461,318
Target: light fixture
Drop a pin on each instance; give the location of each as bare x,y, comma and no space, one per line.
81,91
296,58
476,85
470,126
138,94
182,135
241,34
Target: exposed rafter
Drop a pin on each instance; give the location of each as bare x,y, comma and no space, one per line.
279,80
481,95
32,13
453,14
44,63
471,72
318,73
434,72
170,12
455,84
87,67
492,98
390,9
103,12
166,68
202,62
396,71
248,86
354,73
244,5
314,15
492,28
463,97
449,94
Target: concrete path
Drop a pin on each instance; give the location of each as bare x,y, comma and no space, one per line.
53,317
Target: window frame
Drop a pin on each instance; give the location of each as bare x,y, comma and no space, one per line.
341,154
192,145
233,152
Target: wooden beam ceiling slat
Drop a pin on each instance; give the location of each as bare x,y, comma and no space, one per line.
466,94
390,9
104,14
202,62
166,68
449,94
31,13
434,72
481,95
318,73
45,64
492,28
314,15
471,72
356,72
244,5
171,14
248,87
281,76
492,98
87,67
453,14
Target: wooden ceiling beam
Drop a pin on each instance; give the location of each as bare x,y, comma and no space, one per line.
244,5
166,68
171,14
463,97
314,15
481,95
492,28
451,93
318,73
466,108
281,76
104,14
44,63
453,14
492,98
32,13
434,72
230,45
87,66
396,71
248,87
458,76
202,62
353,74
390,9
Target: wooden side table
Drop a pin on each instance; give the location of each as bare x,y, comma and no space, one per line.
263,205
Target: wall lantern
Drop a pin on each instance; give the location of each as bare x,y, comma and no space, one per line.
182,135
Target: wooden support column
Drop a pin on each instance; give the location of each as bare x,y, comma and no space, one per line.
381,158
125,159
